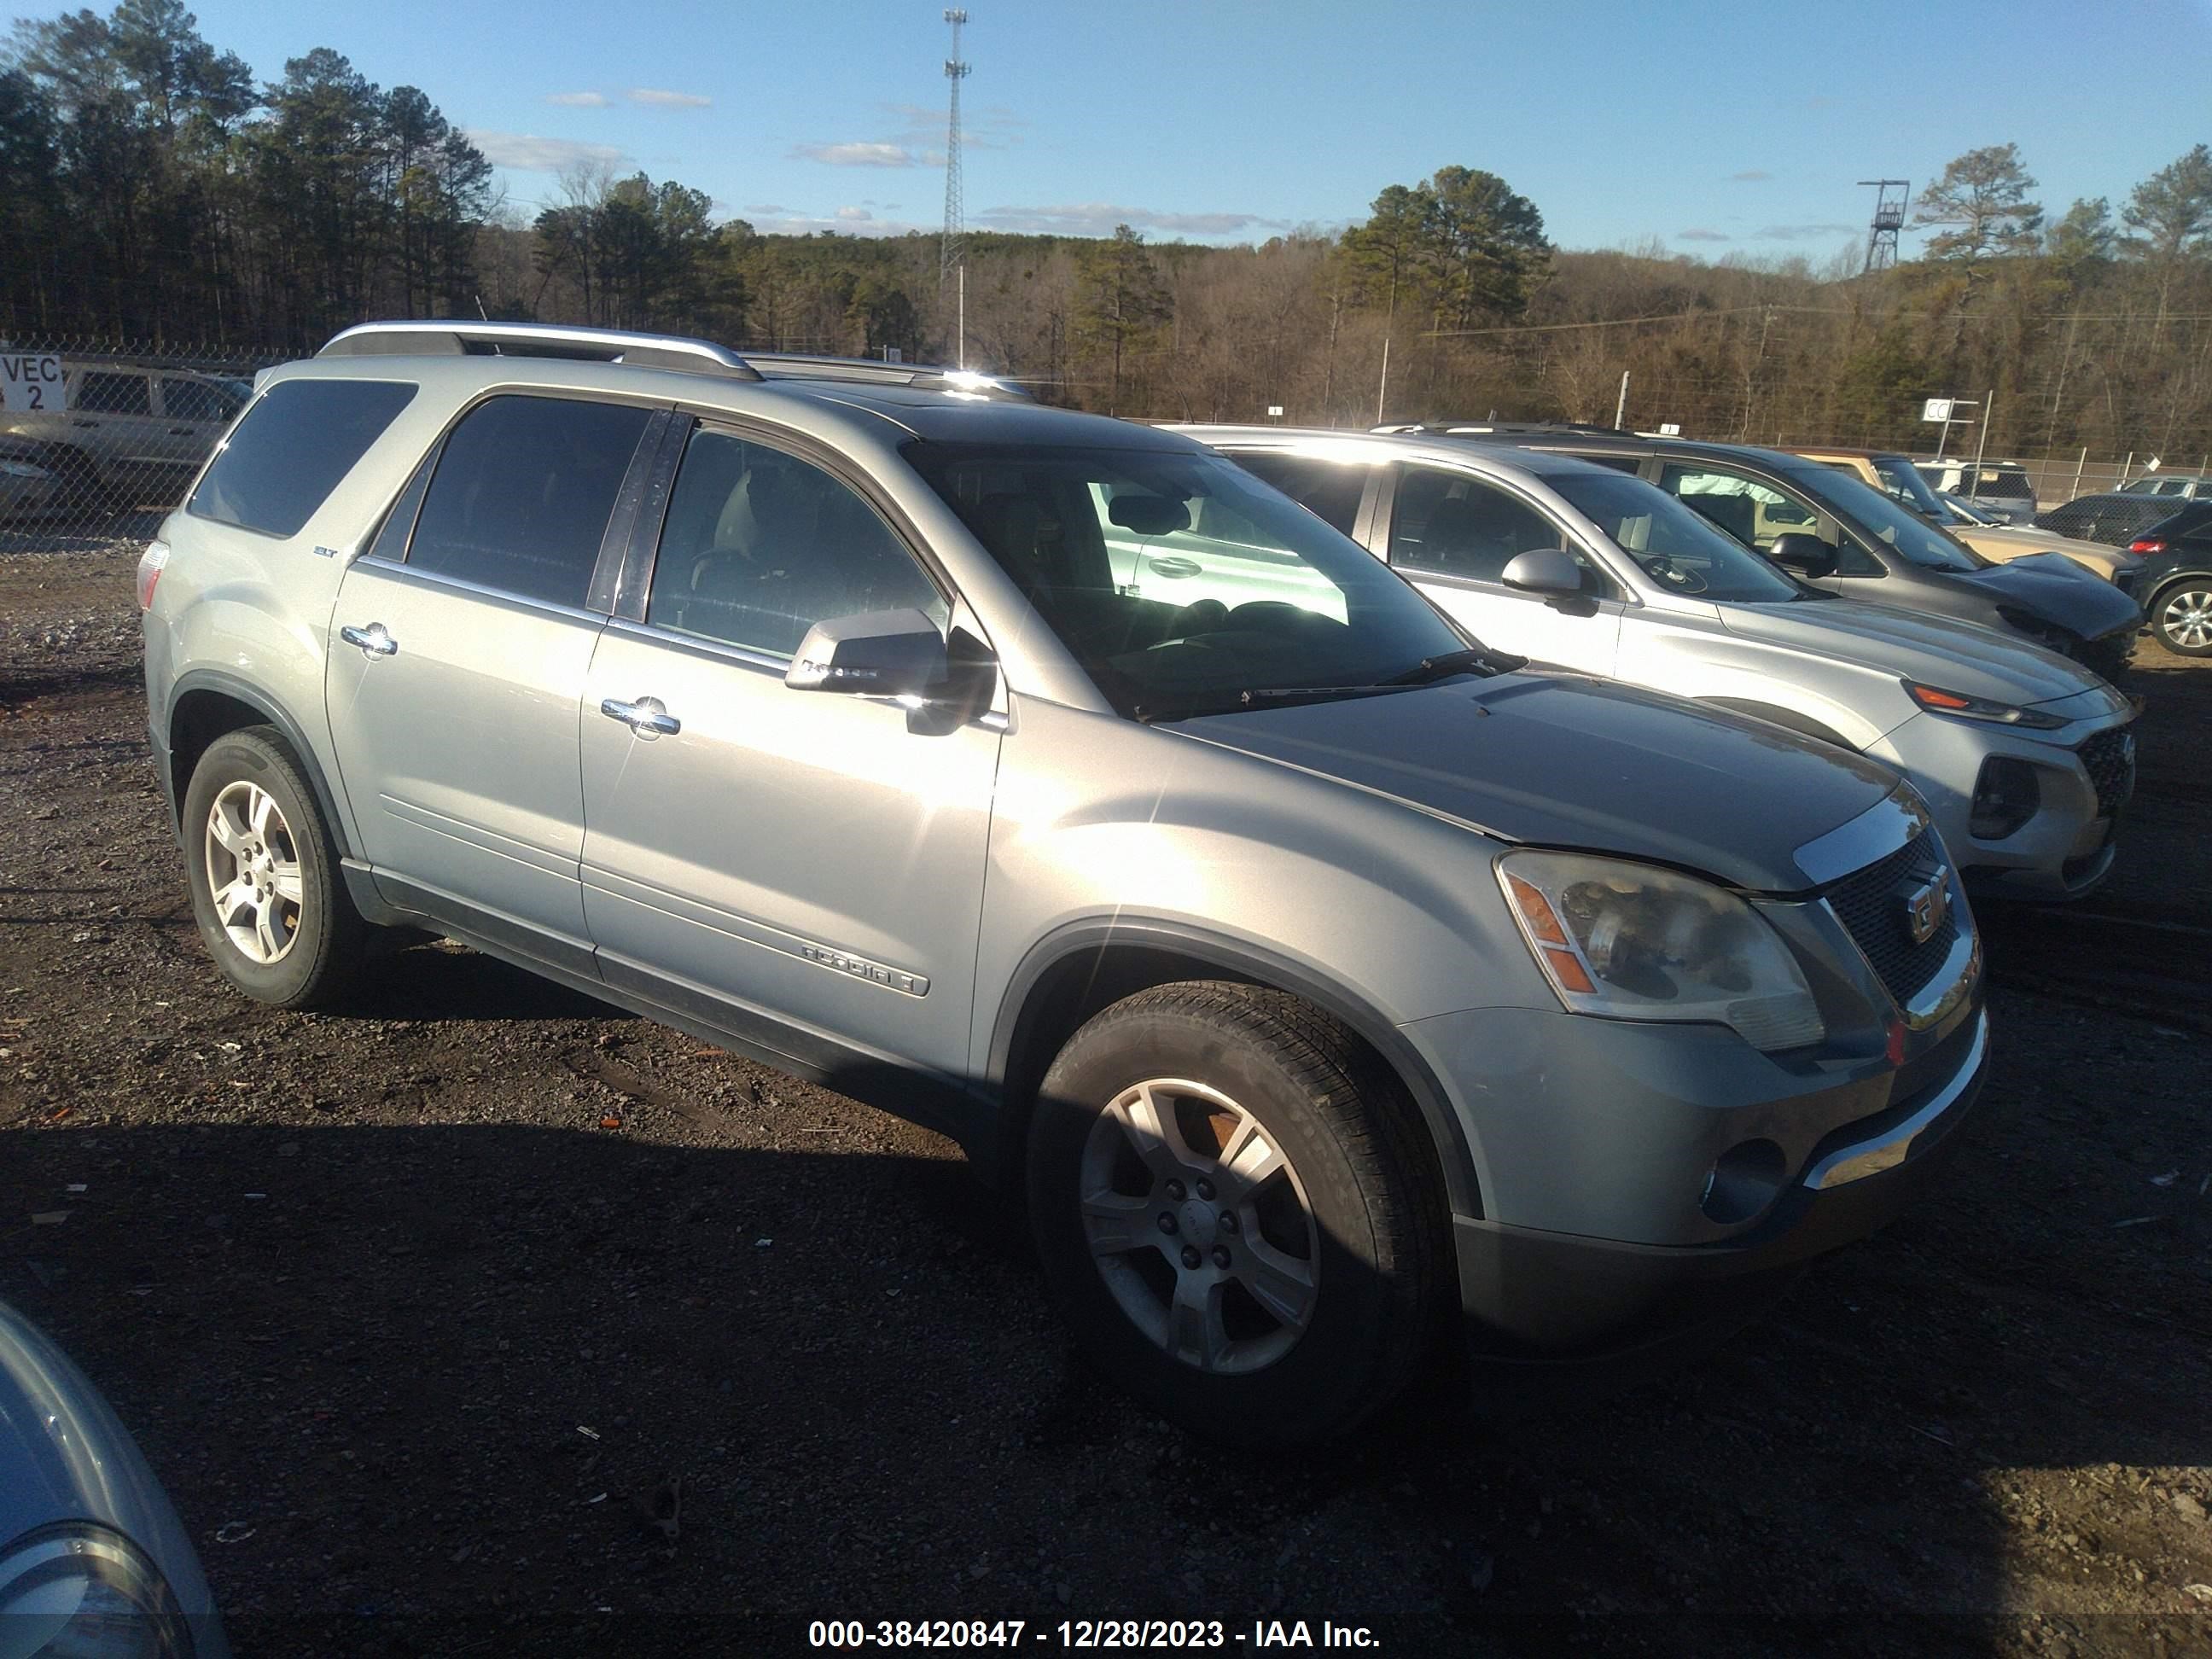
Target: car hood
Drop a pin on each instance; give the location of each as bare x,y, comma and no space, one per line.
1942,650
2054,589
1561,760
2016,542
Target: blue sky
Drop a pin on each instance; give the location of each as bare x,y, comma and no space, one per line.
1716,128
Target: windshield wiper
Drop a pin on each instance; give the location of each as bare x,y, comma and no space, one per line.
1265,696
1473,661
1428,669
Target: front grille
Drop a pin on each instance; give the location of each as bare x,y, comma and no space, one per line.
2109,759
1875,908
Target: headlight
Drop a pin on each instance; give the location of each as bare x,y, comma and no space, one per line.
1631,941
1938,701
78,1591
22,469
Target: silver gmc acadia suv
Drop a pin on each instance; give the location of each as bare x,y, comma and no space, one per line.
1308,966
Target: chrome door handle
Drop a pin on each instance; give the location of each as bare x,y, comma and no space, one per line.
648,716
372,640
1175,567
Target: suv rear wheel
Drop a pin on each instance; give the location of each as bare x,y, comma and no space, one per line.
1234,1210
263,868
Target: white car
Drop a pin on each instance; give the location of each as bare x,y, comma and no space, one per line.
2025,757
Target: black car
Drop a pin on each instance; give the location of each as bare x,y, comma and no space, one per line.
2175,579
1843,535
2112,518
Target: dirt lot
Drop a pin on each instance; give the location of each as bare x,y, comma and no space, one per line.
414,1308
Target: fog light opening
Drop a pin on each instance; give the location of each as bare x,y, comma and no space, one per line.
1744,1181
2006,796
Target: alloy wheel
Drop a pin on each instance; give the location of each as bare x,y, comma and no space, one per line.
2186,619
1198,1225
253,873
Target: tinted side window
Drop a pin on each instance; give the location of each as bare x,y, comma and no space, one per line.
758,546
1330,490
1454,525
522,494
195,400
115,394
292,449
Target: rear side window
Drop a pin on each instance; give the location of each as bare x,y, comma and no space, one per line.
522,494
1330,490
115,394
292,450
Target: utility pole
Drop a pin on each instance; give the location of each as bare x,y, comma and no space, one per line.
1382,388
949,253
1621,408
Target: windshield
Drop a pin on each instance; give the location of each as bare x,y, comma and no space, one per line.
1905,531
1180,583
1674,546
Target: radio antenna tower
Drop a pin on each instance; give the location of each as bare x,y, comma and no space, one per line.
949,250
1888,219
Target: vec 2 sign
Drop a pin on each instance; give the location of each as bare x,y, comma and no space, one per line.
30,383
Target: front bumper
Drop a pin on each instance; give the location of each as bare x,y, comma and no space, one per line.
2065,850
1541,1299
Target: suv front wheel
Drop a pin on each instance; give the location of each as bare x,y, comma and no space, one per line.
263,869
1230,1199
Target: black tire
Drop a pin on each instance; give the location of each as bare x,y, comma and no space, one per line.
1379,1239
326,938
2199,582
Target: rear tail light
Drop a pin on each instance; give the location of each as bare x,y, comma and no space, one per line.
2147,544
150,565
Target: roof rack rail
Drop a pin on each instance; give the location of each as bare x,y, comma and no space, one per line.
1480,428
457,339
807,366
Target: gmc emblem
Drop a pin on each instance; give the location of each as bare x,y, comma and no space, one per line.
1926,906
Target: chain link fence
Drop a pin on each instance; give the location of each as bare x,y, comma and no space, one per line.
98,438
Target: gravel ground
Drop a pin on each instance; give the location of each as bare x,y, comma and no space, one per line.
418,1310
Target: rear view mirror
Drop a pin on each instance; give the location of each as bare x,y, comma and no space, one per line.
1149,515
878,653
1807,555
1551,571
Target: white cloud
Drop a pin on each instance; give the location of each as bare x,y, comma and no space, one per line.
1100,218
857,155
580,99
988,126
664,100
525,152
1750,176
786,223
1701,236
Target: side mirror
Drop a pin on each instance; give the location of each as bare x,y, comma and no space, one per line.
878,653
1551,571
1807,555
